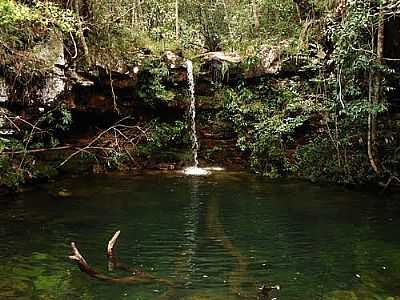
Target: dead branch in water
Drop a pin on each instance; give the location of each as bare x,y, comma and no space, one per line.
136,276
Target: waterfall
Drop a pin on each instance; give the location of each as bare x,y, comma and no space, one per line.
194,170
192,114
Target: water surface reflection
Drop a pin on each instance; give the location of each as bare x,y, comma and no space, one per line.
217,237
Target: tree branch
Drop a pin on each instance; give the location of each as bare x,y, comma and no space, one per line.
136,277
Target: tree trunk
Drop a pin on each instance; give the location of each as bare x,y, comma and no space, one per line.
228,17
305,9
177,22
376,96
136,15
82,37
381,36
133,15
255,16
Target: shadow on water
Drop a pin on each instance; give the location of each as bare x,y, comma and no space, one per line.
217,234
185,266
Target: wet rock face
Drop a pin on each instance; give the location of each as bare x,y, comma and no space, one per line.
102,88
224,67
128,89
43,84
53,53
54,87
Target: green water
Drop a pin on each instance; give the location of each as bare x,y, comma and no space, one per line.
214,238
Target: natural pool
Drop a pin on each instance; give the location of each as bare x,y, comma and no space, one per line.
215,237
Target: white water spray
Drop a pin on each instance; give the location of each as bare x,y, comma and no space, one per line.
194,170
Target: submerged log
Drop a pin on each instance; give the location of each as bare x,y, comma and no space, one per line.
137,276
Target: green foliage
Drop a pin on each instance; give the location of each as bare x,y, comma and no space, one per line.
17,163
59,118
266,121
120,26
13,174
24,26
347,82
319,160
151,90
10,175
231,25
355,59
43,14
323,121
163,136
25,31
251,61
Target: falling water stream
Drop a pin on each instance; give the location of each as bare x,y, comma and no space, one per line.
193,170
192,113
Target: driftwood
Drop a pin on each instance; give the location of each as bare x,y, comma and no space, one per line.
136,275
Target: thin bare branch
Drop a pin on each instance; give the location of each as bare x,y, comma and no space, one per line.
111,243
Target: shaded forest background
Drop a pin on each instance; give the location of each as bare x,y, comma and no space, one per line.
328,112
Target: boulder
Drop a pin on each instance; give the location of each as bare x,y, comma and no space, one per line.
219,56
269,64
173,60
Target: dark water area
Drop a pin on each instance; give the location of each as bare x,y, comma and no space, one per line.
216,237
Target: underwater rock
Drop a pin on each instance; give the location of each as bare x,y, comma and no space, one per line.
15,289
340,295
166,166
202,297
363,294
64,193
